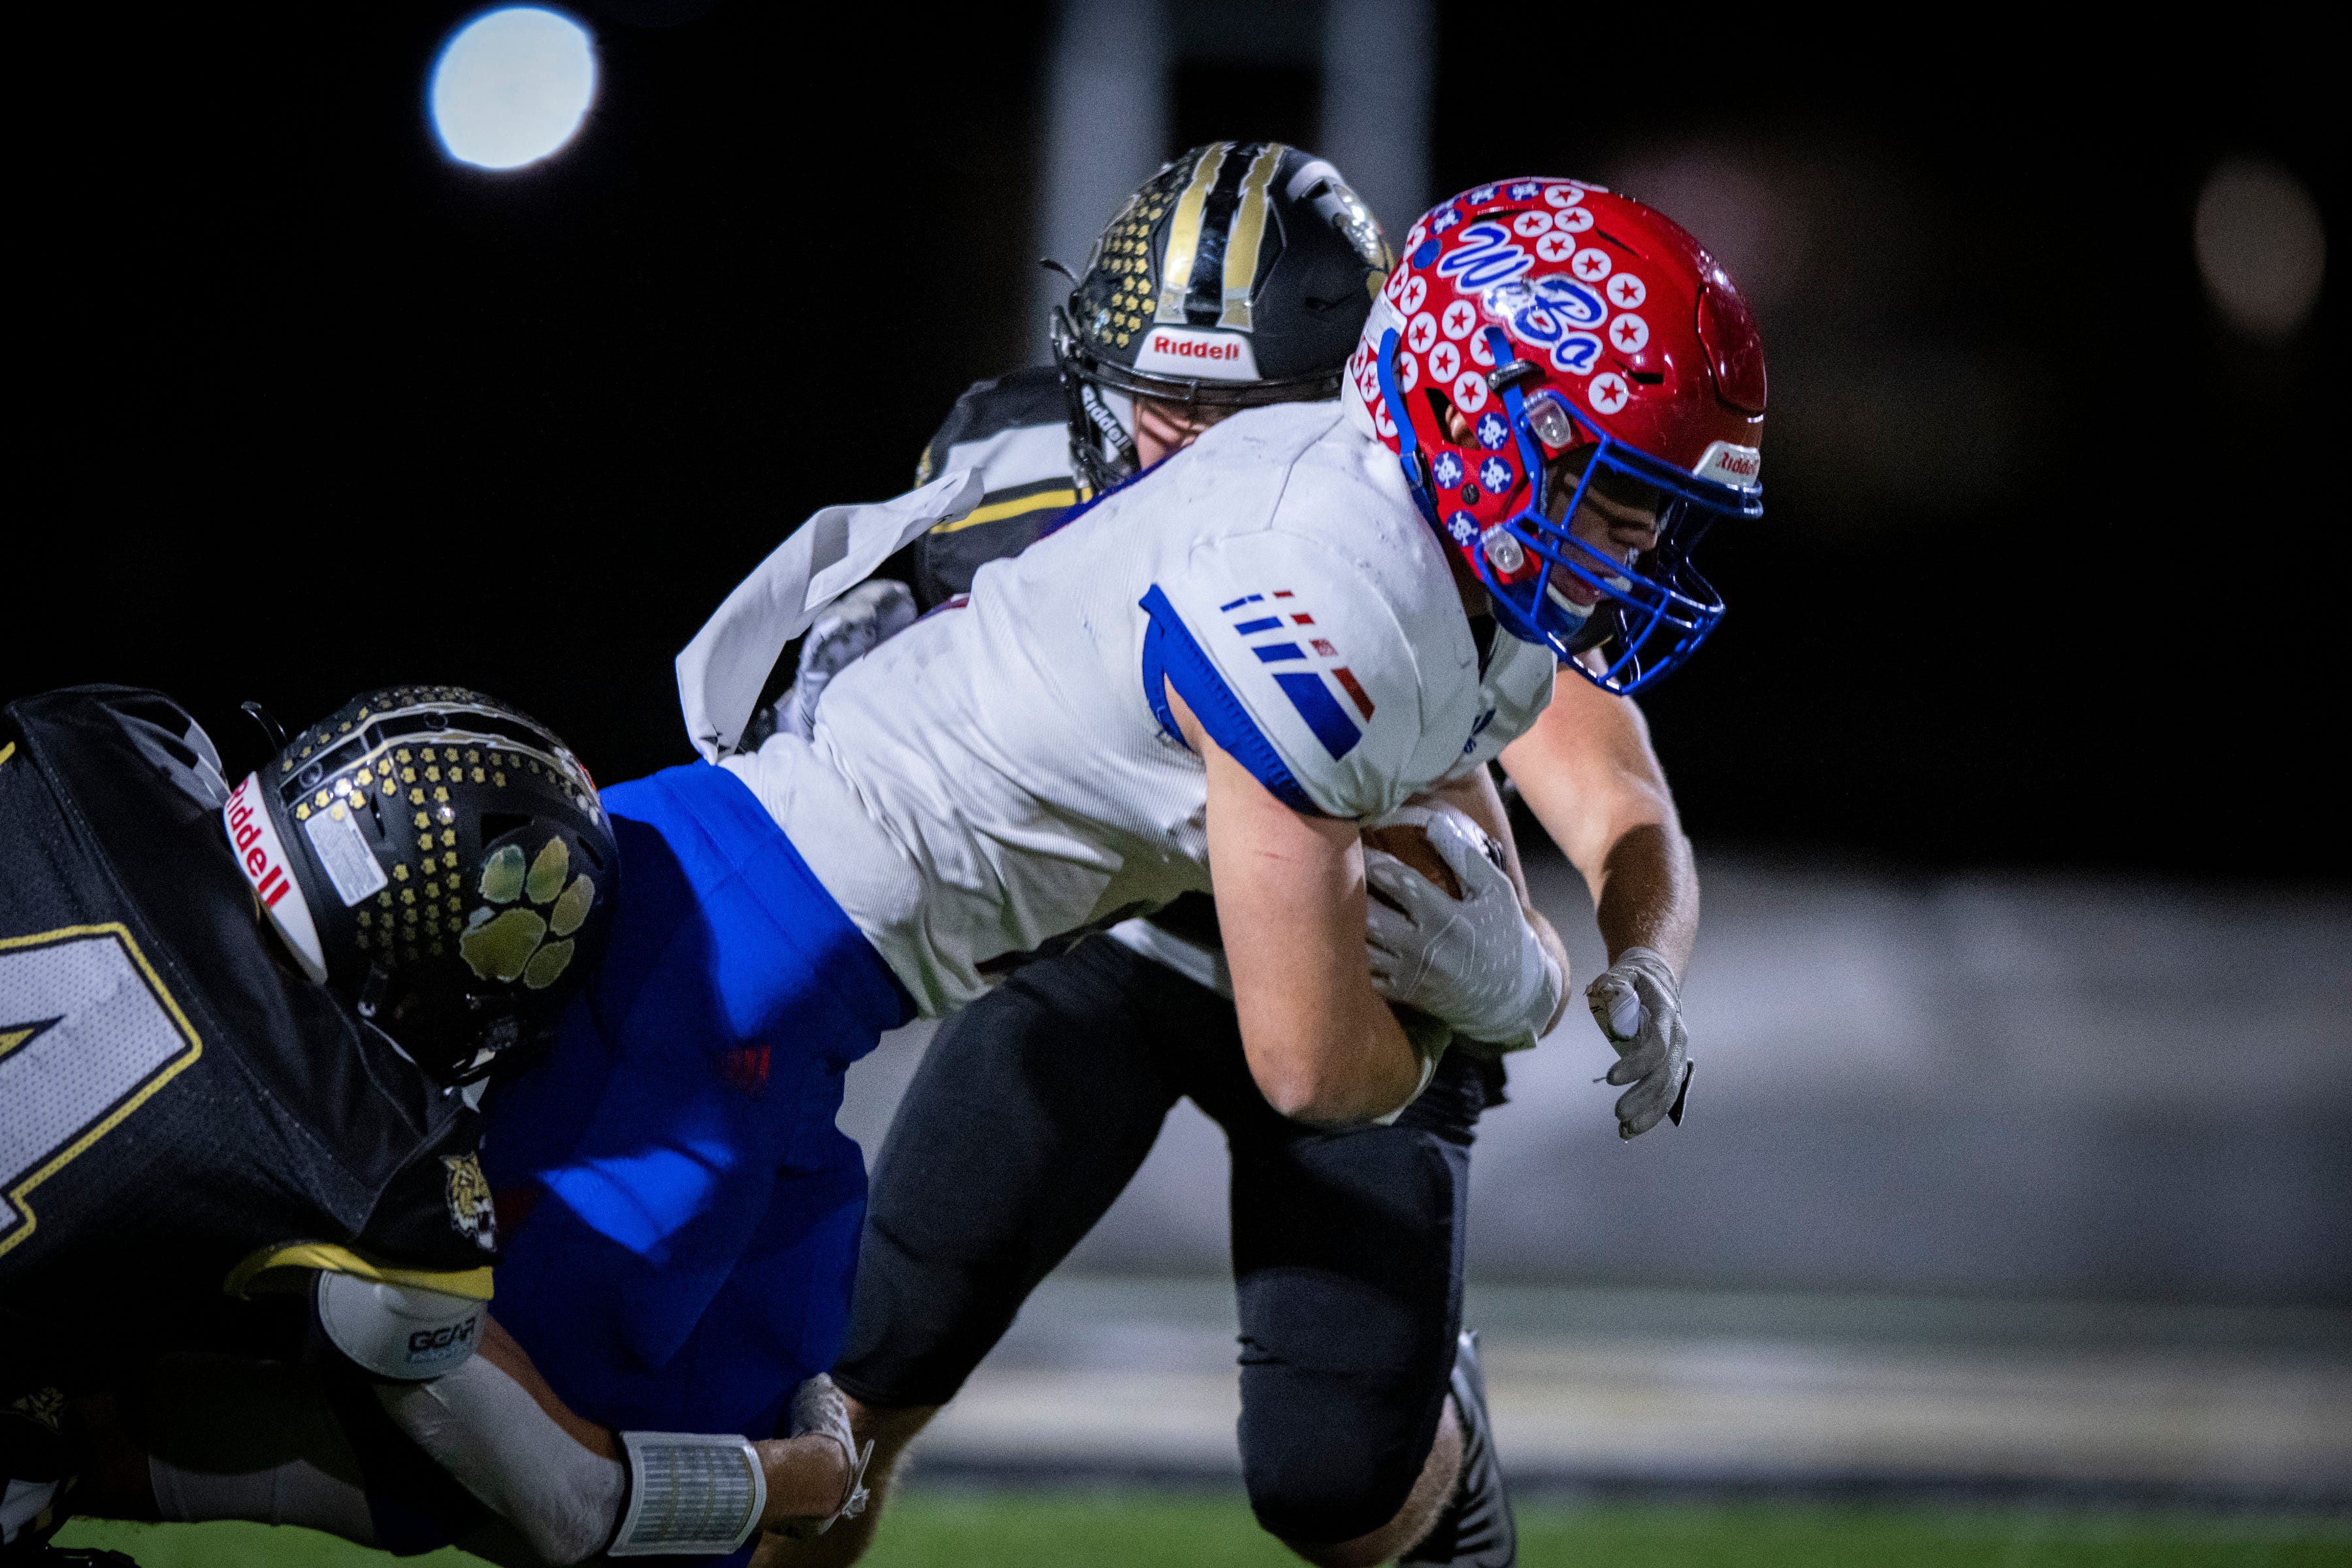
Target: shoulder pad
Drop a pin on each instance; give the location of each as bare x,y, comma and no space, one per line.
990,409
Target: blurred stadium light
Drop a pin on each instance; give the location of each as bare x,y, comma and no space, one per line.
2261,246
511,86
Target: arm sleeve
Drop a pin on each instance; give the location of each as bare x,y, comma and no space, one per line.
1294,664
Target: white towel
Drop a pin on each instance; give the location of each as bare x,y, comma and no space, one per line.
721,672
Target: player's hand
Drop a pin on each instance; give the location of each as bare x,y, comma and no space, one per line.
855,625
1638,1005
817,1476
1474,961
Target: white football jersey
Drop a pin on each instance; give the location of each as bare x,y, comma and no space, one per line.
1006,770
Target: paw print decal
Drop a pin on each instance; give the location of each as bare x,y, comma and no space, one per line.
514,942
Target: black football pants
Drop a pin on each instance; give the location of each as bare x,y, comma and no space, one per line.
1033,1110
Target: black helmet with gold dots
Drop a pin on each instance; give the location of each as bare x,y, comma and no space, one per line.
438,857
1240,274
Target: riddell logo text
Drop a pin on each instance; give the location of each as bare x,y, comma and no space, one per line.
249,830
1194,348
1730,464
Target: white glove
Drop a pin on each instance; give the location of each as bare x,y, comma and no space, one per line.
851,628
1639,1008
819,1410
1472,961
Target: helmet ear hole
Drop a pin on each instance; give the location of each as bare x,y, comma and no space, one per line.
1449,421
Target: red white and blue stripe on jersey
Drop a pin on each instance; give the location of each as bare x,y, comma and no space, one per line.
1273,631
1174,659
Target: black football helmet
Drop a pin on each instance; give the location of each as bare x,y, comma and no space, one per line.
1240,274
441,859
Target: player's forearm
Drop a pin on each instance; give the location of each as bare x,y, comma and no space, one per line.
1647,894
805,1475
1588,773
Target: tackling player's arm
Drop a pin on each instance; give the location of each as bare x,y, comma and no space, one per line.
1321,1044
467,1394
806,1475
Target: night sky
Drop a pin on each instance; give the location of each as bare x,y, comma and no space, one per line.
2048,573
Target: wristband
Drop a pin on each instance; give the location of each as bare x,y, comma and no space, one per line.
691,1493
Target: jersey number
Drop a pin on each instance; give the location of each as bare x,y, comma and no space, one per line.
87,1033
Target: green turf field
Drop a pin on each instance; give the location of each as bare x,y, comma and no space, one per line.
982,1530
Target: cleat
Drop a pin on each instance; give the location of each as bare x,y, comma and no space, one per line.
1475,1530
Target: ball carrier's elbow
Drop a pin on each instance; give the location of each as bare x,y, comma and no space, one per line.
1344,1083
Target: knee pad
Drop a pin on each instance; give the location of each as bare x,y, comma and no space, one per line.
1328,1456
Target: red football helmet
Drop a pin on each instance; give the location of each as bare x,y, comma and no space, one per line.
1557,319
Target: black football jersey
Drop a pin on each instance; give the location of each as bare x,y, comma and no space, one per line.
1014,430
175,1097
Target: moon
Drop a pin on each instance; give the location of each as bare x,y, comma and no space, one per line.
512,86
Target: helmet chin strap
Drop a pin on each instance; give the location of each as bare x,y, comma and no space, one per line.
1112,436
1416,478
1102,449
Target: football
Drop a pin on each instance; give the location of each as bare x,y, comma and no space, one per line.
1409,842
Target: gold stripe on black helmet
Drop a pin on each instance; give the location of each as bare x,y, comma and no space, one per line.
1250,257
